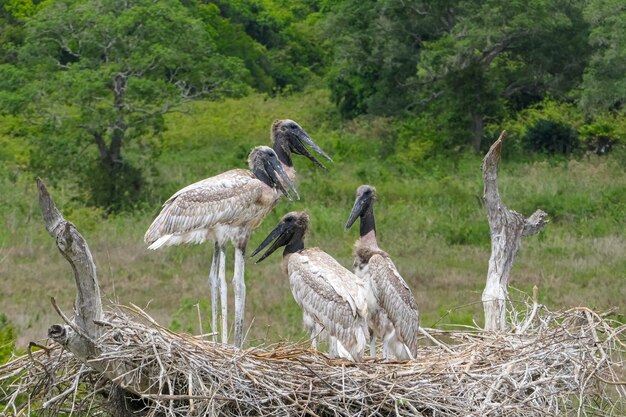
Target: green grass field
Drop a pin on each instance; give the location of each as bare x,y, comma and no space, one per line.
429,214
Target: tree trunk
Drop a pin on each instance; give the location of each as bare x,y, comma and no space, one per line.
506,228
478,130
115,182
111,155
119,127
80,334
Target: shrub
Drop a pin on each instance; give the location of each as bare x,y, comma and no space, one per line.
551,137
604,133
7,339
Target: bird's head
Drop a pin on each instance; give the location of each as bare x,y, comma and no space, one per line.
289,232
290,137
264,164
365,197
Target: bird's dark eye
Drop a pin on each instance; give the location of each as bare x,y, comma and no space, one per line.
368,192
289,219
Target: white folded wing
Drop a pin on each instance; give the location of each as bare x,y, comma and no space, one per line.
395,298
331,295
234,198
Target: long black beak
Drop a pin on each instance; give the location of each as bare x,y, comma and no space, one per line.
273,166
281,233
300,148
360,204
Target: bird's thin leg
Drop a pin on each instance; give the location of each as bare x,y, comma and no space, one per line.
332,347
239,286
373,345
316,330
214,290
223,292
388,340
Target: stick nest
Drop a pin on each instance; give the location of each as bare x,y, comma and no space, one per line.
566,363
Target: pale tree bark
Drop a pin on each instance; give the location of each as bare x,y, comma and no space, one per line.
88,305
80,334
506,228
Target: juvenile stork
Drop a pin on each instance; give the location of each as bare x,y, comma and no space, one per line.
289,137
393,314
225,207
328,294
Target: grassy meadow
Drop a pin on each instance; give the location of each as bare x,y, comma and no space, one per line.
429,213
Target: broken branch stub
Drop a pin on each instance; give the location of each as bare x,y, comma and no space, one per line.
81,333
74,248
506,228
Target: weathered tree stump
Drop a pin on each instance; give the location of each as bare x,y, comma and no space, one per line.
506,227
79,335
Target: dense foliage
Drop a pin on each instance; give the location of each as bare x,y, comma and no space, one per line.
7,339
85,85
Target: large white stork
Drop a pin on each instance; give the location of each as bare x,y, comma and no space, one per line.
225,207
329,294
393,313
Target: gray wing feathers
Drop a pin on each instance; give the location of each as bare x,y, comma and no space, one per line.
312,290
344,282
395,297
228,198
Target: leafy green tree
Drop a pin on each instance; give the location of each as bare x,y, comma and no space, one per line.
604,83
105,73
462,62
12,15
502,55
377,46
280,41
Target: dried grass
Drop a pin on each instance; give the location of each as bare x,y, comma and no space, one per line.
566,363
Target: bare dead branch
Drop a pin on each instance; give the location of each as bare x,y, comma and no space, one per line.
506,229
74,248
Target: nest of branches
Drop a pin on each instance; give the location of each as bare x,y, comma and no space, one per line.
564,363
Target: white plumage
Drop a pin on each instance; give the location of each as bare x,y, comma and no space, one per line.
226,207
394,315
234,199
331,297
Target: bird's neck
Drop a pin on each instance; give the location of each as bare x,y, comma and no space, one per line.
365,248
262,175
367,245
368,226
369,240
281,147
293,247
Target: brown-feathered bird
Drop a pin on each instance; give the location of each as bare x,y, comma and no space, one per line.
225,207
329,295
393,312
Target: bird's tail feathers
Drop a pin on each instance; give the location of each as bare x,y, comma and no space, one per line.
195,236
159,242
362,336
342,352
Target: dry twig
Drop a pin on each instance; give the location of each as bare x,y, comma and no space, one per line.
568,363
